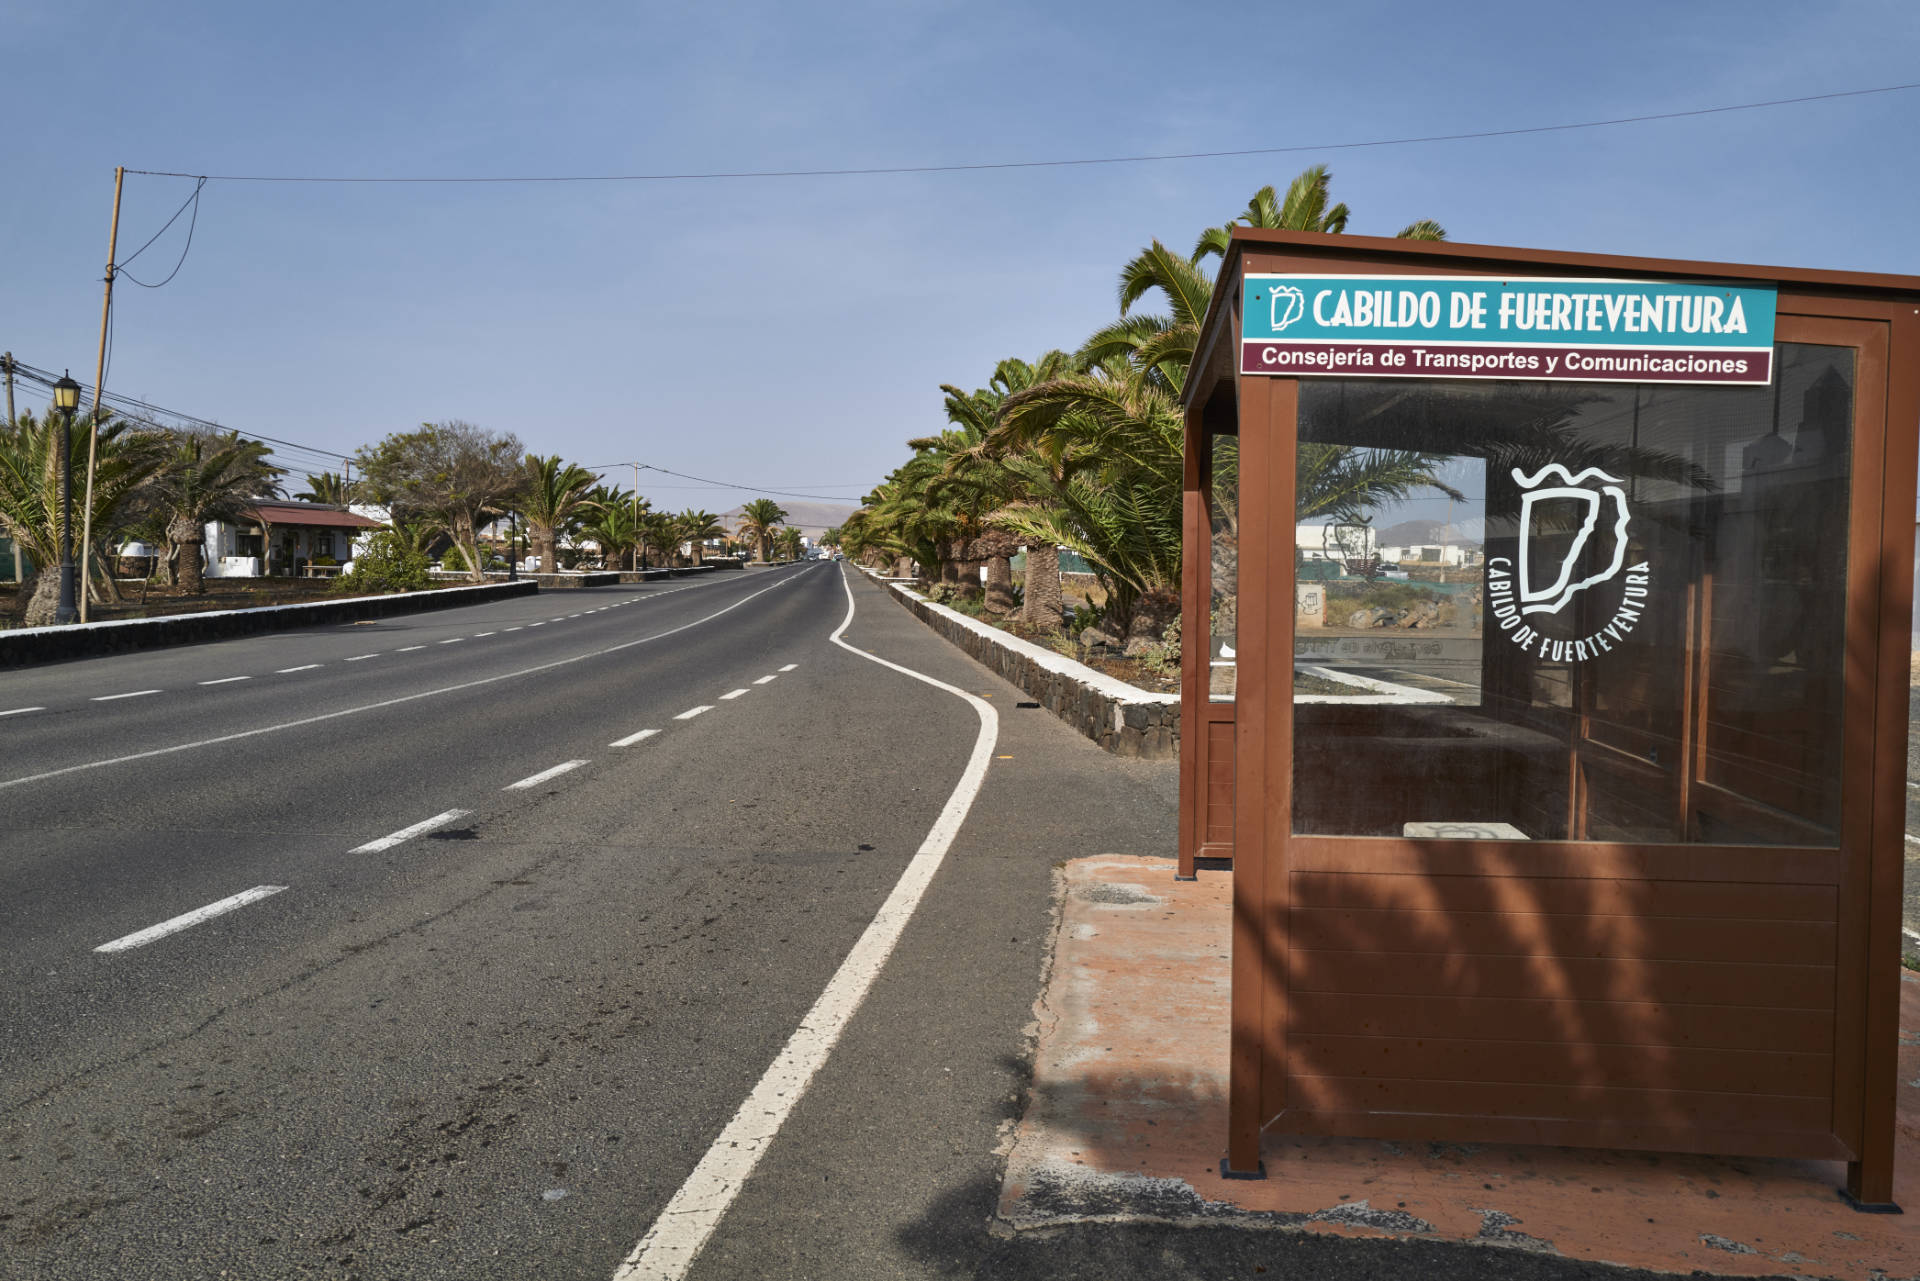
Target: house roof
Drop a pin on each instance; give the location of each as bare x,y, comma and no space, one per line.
308,514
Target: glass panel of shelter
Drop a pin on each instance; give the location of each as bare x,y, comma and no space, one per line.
1572,611
1223,514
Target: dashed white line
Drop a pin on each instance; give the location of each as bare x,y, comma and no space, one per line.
303,721
227,680
513,629
481,635
631,739
453,640
733,693
188,919
676,1238
764,679
789,667
138,693
408,833
361,658
407,649
17,711
534,780
304,667
536,624
692,712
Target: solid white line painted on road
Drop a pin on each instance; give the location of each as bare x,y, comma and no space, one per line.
684,1226
361,658
764,679
734,693
138,693
631,739
17,711
407,649
186,920
408,833
304,721
227,680
534,780
790,666
304,667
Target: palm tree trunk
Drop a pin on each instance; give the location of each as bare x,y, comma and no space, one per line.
1152,614
192,580
999,585
1042,606
44,600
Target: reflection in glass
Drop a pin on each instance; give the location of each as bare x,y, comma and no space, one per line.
1223,616
1623,623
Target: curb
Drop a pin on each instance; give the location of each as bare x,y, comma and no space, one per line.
1119,717
26,646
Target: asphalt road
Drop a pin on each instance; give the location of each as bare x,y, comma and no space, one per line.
497,1047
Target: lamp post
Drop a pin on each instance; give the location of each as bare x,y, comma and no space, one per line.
513,548
66,399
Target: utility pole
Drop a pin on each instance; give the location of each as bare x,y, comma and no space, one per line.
346,481
640,557
99,378
13,549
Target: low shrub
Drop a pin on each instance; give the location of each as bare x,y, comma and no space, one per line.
387,565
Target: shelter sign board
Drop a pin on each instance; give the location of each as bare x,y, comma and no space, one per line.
1576,330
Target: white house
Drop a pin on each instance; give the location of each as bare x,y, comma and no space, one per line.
275,537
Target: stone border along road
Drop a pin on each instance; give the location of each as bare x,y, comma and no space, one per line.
1123,719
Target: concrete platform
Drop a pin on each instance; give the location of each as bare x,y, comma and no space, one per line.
1128,1122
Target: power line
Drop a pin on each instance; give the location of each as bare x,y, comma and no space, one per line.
722,484
1068,163
46,379
193,222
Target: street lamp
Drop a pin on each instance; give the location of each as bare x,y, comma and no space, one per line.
66,399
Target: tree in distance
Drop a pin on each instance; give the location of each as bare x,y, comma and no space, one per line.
757,521
208,477
695,527
550,496
455,473
328,489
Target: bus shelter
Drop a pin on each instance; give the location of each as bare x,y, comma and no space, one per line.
1545,681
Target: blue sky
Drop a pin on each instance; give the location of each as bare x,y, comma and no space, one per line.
792,333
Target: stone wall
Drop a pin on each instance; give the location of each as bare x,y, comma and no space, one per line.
1124,720
25,646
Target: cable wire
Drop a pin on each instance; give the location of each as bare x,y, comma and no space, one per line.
192,222
1069,163
722,484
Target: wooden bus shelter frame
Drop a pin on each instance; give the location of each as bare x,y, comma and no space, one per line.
1414,1025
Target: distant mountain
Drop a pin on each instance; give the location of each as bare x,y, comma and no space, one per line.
811,519
1418,533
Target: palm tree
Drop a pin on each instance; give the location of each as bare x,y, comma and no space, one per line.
30,509
1304,208
695,528
757,519
613,527
209,477
660,532
789,541
552,492
995,480
328,489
